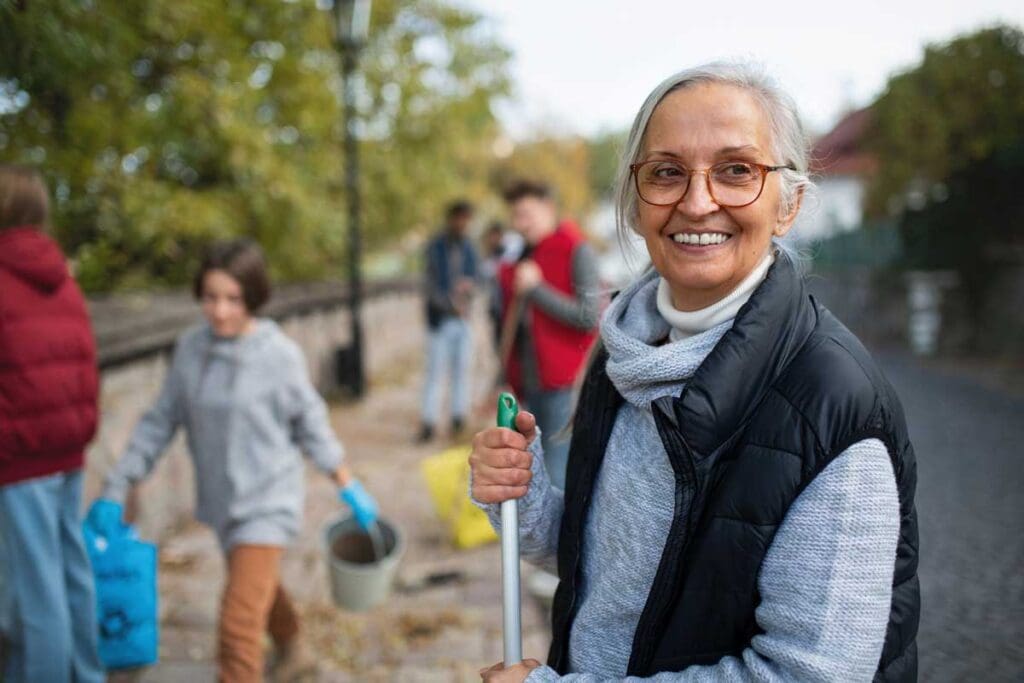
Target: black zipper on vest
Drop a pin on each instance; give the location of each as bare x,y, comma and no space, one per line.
666,583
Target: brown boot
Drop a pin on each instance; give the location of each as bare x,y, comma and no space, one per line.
295,662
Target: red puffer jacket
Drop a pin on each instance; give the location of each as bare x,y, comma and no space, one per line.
49,383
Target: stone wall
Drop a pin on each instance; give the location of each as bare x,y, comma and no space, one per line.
136,337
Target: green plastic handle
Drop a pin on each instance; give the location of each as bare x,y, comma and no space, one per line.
507,410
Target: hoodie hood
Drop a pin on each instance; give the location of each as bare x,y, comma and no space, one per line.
33,257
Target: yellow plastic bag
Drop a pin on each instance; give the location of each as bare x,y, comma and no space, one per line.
447,475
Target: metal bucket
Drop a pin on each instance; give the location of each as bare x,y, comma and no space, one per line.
359,580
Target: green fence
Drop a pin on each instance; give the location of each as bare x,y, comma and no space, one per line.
873,245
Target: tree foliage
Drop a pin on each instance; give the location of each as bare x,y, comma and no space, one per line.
606,149
162,125
949,136
561,161
961,104
977,230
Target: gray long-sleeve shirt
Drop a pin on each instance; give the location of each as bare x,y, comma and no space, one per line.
249,410
826,580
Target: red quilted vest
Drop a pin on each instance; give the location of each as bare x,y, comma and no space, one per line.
49,383
561,349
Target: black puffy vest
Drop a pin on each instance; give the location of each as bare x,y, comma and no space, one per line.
784,392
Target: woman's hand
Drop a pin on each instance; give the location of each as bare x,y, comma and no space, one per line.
501,462
516,673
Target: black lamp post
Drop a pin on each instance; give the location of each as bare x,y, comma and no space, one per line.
351,26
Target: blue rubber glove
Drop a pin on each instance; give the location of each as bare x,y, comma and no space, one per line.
104,517
364,507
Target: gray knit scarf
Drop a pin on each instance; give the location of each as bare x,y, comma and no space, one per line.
642,364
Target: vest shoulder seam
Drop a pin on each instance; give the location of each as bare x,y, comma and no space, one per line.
800,412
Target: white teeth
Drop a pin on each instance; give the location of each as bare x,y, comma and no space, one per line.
702,239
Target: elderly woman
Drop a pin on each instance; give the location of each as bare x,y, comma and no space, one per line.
740,493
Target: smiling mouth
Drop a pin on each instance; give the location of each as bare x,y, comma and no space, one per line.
700,239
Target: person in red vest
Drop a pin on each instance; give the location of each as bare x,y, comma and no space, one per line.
49,387
551,304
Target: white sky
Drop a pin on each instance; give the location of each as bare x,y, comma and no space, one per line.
583,66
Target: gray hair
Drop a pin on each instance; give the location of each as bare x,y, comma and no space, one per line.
789,143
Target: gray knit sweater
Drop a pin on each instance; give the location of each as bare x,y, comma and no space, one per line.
826,580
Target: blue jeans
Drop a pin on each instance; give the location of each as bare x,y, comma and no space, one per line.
449,353
553,410
51,628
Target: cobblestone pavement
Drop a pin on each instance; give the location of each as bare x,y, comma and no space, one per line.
970,498
970,501
444,633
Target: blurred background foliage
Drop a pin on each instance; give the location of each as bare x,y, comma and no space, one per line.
959,105
162,125
949,139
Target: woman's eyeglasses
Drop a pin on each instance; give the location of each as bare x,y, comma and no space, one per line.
731,184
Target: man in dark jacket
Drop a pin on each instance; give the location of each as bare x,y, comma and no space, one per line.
451,275
48,413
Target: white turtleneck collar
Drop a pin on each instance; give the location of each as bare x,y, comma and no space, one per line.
686,324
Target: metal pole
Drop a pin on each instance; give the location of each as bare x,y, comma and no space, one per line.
512,616
512,630
349,55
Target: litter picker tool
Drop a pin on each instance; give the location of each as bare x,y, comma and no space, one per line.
512,615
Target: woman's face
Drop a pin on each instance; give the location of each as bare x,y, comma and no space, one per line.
223,304
697,127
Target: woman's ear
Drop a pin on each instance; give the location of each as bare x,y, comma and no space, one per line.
786,221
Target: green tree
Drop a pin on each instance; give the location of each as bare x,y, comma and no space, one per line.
563,162
977,230
961,104
162,125
949,136
606,149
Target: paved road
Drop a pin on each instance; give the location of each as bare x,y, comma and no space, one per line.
970,492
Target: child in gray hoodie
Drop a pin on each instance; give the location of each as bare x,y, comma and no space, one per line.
241,390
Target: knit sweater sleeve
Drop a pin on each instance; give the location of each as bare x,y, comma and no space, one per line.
540,514
308,417
826,583
583,309
151,435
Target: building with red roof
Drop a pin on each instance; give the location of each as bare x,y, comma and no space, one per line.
840,166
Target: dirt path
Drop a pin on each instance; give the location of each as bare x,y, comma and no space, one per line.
441,633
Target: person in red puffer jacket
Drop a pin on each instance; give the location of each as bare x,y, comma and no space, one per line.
49,387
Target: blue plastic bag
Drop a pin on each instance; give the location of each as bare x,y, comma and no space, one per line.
124,571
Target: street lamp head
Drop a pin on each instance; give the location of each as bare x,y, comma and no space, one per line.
351,23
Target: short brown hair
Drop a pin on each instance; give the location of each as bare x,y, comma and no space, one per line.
458,209
243,260
523,188
23,197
